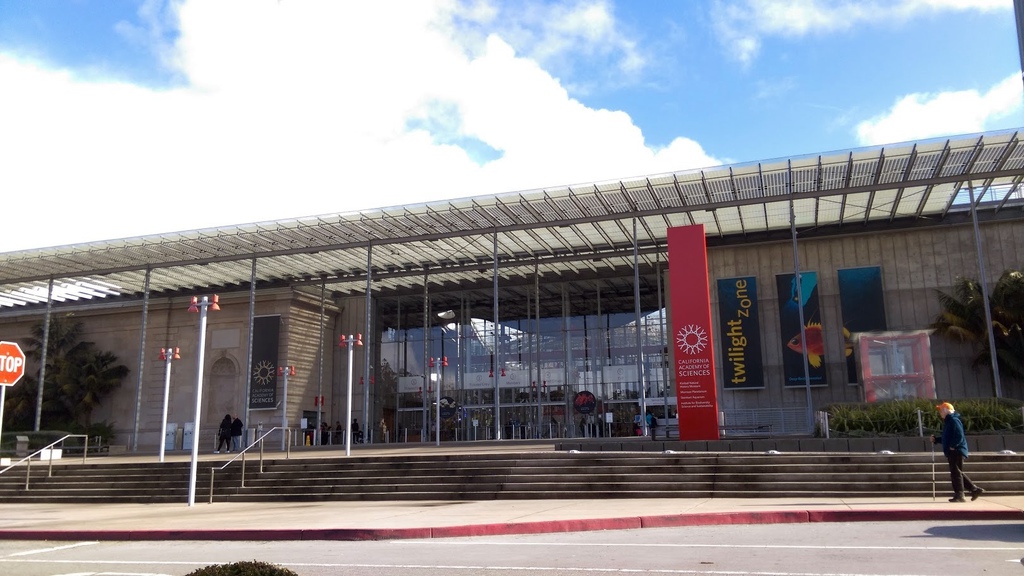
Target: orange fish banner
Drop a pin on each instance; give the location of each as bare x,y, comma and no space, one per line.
793,297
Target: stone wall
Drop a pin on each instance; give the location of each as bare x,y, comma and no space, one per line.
914,263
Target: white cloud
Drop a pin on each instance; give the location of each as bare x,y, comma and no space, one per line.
298,108
917,116
741,25
578,41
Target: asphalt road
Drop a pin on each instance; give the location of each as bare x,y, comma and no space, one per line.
823,549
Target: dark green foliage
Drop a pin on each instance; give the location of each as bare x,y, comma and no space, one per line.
899,417
253,568
963,319
78,377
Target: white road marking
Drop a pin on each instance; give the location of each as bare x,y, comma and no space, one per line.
114,574
471,569
753,546
54,549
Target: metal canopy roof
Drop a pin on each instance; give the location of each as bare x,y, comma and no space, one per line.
572,232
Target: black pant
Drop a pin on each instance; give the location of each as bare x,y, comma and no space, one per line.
956,474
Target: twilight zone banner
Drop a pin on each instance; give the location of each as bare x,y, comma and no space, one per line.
263,380
789,326
862,302
741,333
690,303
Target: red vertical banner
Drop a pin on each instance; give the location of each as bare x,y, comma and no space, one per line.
693,354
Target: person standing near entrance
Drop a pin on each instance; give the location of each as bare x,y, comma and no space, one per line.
357,436
224,434
954,446
236,433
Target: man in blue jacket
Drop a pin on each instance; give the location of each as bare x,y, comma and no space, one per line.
954,446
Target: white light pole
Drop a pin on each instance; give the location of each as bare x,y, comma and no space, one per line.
349,342
440,362
200,306
284,372
168,355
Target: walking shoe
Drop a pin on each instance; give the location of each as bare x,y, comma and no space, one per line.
957,498
216,451
976,493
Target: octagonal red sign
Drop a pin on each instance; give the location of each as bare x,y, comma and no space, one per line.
12,363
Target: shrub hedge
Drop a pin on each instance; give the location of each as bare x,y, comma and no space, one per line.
899,417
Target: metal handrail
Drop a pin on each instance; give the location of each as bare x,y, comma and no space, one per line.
259,442
49,469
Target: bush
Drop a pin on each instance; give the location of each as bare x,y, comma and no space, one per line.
899,417
253,568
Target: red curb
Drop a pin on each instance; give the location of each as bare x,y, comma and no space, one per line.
544,527
723,518
354,534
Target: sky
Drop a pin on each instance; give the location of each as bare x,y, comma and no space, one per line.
123,118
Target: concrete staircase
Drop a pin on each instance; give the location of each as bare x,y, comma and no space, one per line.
533,475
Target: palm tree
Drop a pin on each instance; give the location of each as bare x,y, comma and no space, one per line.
86,379
63,340
963,319
78,377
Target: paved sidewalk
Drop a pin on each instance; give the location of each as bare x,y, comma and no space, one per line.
440,519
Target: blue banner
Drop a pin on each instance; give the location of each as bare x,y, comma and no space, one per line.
862,301
795,340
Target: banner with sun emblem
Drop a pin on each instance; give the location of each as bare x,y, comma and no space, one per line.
263,379
741,333
690,316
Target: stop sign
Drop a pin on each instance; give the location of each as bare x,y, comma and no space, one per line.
12,363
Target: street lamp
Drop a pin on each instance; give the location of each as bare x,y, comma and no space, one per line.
448,316
284,372
349,342
200,306
440,362
167,355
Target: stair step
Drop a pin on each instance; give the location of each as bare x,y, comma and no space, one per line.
540,475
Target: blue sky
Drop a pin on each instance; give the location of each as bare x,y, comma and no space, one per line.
131,117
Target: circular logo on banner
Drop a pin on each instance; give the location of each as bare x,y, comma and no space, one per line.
448,407
691,339
585,402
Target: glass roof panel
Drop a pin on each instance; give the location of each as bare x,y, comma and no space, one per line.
707,218
856,207
729,220
778,215
828,210
910,201
882,204
806,212
754,219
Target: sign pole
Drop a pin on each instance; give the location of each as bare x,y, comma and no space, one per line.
3,400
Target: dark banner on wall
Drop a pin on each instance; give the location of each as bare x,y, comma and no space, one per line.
789,326
263,380
862,302
696,392
741,333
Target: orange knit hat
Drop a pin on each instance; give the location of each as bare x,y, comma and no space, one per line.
946,405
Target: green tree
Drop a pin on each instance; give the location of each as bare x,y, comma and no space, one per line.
88,377
963,319
78,377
